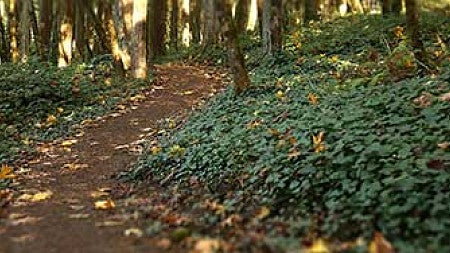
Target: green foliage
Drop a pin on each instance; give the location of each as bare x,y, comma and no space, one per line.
31,95
326,135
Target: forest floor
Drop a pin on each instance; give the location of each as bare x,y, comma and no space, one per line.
71,200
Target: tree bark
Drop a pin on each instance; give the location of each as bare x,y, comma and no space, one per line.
45,24
66,35
413,27
277,25
13,27
139,54
311,10
266,26
174,24
235,55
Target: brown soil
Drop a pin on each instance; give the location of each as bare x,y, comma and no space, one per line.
67,221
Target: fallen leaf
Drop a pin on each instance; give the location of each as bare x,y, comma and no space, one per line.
6,172
133,232
164,243
445,97
313,99
263,213
79,216
108,223
380,245
444,145
206,246
77,207
68,143
318,142
318,246
279,94
40,196
51,119
104,204
98,194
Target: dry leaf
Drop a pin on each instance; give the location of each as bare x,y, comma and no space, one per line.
68,143
51,119
445,97
6,172
380,245
133,232
108,223
444,145
40,196
313,99
79,216
104,204
263,213
206,246
318,142
318,246
98,194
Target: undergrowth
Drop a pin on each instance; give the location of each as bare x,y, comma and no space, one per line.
343,129
40,102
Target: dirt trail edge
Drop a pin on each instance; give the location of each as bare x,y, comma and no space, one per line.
56,211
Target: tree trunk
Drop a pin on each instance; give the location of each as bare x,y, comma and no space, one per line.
4,47
114,41
396,6
252,15
186,33
174,24
13,24
210,28
236,58
413,27
242,14
266,24
25,40
80,32
195,20
386,7
139,54
45,24
66,35
311,10
277,25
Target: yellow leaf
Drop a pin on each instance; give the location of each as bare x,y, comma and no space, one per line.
51,119
60,110
279,94
318,142
6,172
104,204
68,143
156,150
40,196
318,246
263,213
313,99
380,245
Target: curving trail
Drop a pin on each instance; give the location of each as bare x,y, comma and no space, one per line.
56,212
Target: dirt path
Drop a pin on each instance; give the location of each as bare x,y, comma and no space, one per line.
56,211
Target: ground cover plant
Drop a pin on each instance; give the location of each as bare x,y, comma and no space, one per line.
40,102
344,131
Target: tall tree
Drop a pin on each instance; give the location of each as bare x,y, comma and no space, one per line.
174,24
311,10
13,31
66,34
236,58
45,24
139,52
413,27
